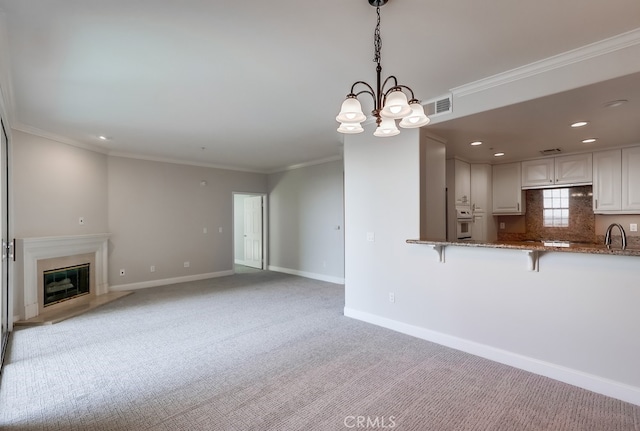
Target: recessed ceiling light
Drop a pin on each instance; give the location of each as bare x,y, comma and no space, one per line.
498,154
588,141
104,138
476,143
615,103
580,124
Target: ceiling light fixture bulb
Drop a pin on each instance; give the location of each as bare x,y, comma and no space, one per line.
386,128
579,124
351,111
588,141
416,118
498,154
475,143
350,128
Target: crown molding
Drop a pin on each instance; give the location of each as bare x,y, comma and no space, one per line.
136,156
307,164
57,138
603,47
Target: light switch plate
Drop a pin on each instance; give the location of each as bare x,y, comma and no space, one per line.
633,227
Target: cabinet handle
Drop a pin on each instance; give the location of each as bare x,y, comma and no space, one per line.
518,204
596,203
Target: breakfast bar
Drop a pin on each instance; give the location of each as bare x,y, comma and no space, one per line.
532,249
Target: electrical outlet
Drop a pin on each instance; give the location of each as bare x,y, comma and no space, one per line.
371,236
152,268
633,227
187,264
392,297
502,225
204,230
122,272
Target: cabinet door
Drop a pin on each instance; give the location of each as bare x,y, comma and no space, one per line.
463,183
537,173
607,178
479,229
574,169
507,189
480,187
631,178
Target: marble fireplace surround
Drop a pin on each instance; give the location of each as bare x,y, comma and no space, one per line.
31,250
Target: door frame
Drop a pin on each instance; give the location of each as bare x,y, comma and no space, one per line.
265,224
5,226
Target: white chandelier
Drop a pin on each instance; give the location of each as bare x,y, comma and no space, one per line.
388,105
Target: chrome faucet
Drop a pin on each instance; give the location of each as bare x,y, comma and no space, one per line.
607,235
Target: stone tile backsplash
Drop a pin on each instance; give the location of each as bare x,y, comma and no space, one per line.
581,226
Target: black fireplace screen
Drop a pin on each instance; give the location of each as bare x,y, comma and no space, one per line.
65,283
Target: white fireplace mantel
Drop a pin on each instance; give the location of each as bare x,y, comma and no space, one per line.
30,250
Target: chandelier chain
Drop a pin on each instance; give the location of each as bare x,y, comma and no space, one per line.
377,40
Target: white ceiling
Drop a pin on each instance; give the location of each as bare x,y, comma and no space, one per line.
258,84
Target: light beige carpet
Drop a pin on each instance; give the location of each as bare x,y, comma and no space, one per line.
268,351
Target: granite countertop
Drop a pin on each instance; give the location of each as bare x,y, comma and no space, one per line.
553,246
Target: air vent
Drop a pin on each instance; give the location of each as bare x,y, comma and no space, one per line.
550,151
438,106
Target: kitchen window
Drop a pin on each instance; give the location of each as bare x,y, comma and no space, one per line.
556,207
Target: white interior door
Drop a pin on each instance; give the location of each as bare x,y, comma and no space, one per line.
253,231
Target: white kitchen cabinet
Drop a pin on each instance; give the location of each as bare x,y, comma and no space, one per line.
483,228
459,181
507,196
480,187
575,169
607,181
631,179
538,173
554,171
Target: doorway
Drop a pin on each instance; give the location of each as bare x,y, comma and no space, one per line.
7,245
249,230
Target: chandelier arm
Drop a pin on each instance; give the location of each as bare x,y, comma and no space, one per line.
371,90
370,93
386,81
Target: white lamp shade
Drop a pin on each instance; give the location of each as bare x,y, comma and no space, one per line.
350,128
386,128
395,106
351,111
416,118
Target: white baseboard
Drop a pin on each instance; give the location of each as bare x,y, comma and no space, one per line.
165,281
610,388
313,275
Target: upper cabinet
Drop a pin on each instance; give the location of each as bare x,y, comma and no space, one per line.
607,181
508,196
631,179
616,181
555,171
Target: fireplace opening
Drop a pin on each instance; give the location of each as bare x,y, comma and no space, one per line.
66,283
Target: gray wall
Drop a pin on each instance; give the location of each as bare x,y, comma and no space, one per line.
157,214
55,184
306,221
